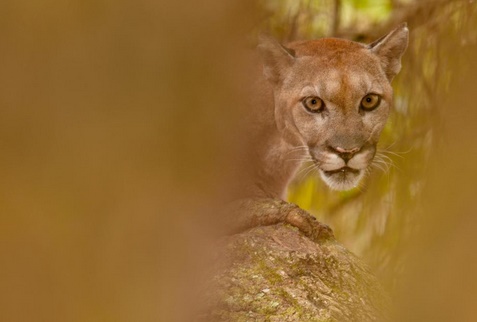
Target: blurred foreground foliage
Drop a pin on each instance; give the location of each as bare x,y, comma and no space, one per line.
115,142
376,219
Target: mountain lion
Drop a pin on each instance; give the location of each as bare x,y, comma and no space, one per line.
324,101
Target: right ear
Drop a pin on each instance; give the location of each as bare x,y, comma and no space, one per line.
276,58
390,48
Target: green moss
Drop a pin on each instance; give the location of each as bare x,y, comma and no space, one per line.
268,282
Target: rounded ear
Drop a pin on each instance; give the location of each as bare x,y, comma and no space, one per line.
390,49
276,58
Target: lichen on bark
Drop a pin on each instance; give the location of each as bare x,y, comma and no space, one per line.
277,273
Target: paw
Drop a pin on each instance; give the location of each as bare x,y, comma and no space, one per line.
308,224
249,213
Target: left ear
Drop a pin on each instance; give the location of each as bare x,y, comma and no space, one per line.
276,58
390,48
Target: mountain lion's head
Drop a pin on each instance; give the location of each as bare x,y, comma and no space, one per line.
332,97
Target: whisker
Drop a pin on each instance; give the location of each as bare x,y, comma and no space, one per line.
383,156
391,145
361,186
309,172
383,152
378,166
389,164
301,159
388,160
298,153
300,147
305,171
404,152
396,153
384,162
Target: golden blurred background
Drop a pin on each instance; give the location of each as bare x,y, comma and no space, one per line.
118,121
114,117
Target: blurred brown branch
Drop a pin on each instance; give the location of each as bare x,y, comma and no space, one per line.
336,16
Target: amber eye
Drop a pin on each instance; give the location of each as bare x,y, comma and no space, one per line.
370,102
313,104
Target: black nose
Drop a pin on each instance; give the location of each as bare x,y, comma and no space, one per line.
345,154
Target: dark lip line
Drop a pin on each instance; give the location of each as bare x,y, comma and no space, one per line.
343,169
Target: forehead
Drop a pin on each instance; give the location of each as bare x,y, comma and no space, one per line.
335,65
333,82
330,49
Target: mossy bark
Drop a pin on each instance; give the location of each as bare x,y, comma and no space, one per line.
277,273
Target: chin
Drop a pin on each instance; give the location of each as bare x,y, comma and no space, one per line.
342,179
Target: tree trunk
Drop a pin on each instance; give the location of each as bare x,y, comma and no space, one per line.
277,273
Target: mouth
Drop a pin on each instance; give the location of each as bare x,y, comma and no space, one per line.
342,171
344,178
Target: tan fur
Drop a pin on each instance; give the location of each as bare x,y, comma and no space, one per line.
283,133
